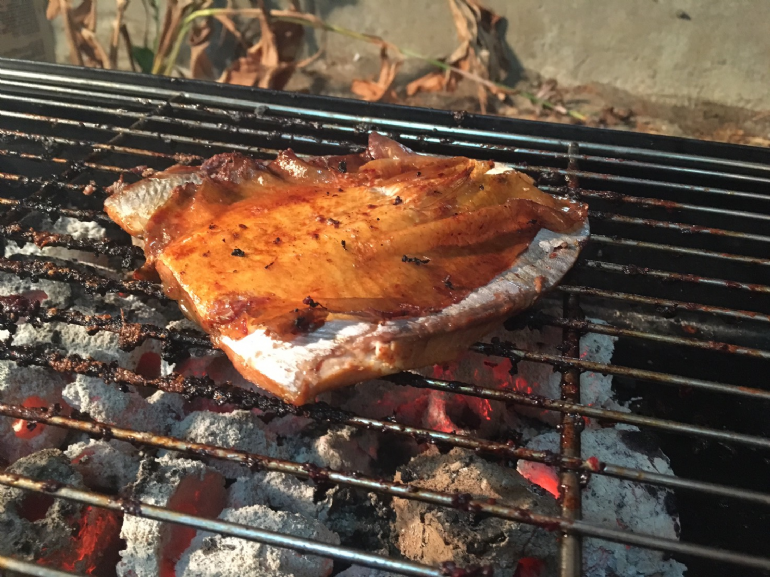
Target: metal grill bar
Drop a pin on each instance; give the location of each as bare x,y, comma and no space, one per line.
177,112
52,81
676,226
665,305
508,350
680,250
140,509
574,463
303,471
673,276
27,568
589,327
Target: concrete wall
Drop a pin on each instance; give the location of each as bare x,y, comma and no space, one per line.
649,47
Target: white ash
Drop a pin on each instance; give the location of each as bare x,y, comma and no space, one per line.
212,555
344,448
75,340
157,483
105,466
431,534
57,294
275,490
241,430
16,385
616,503
107,404
26,539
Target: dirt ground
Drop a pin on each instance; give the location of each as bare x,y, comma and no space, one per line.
603,106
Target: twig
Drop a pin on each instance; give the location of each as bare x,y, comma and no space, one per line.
129,46
121,6
75,56
315,22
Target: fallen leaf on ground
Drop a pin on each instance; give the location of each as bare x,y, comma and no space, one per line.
481,53
374,90
272,60
200,64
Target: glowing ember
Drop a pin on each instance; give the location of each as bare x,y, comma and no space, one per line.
541,475
204,496
529,567
149,365
94,544
29,429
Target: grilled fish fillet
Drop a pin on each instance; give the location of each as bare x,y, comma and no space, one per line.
319,273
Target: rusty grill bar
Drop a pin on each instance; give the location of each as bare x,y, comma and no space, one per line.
664,213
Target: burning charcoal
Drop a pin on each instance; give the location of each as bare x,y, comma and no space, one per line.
106,403
55,532
221,556
275,490
539,378
617,503
31,387
153,548
236,430
345,448
362,520
105,466
432,534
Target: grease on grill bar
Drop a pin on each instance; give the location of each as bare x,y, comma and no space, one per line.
633,319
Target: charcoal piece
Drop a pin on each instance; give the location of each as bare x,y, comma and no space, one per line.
362,520
105,466
241,430
56,532
32,387
278,491
212,555
152,547
433,535
108,404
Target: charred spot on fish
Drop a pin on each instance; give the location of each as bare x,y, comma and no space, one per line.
277,240
269,265
342,167
397,201
481,187
333,222
243,226
310,302
238,252
212,227
448,283
344,244
415,260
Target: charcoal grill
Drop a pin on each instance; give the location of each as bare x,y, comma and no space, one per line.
676,265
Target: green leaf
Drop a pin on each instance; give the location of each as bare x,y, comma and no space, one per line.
144,57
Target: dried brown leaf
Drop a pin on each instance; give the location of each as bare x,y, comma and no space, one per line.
200,64
84,16
372,90
431,82
93,52
53,9
120,10
272,60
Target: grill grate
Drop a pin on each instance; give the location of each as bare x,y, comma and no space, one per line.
676,266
